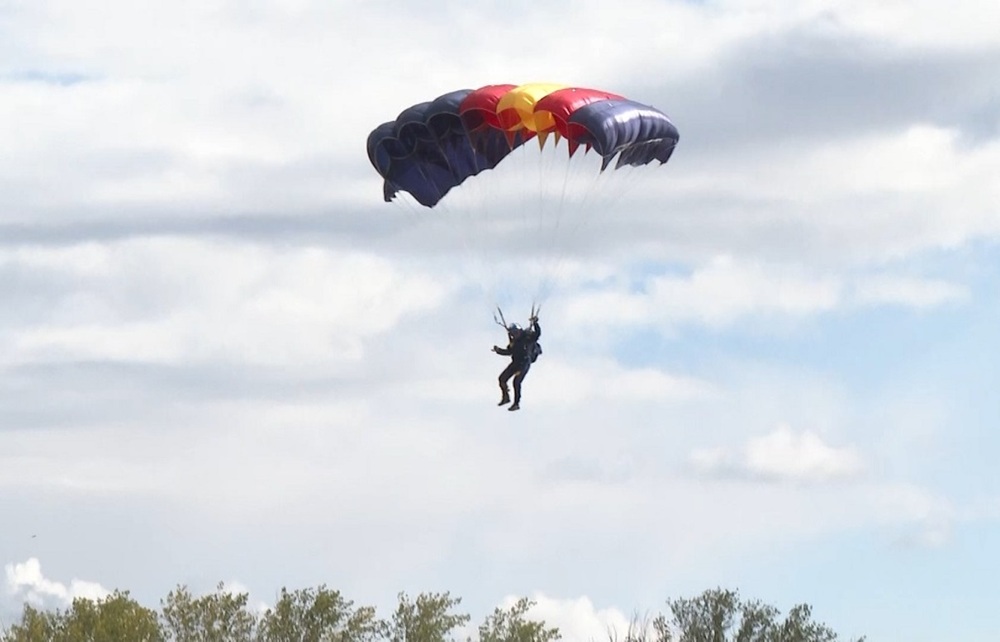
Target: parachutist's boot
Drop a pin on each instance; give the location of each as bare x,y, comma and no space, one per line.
515,406
505,399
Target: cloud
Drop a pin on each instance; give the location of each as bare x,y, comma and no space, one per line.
726,291
26,583
568,382
183,300
918,24
909,292
917,517
925,534
716,294
235,588
782,455
576,618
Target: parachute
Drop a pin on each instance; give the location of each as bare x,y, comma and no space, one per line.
433,147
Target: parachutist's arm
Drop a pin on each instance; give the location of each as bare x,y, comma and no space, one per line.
537,329
504,351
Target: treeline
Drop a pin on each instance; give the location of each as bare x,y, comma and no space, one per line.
324,615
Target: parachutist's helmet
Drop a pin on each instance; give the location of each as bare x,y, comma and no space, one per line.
513,330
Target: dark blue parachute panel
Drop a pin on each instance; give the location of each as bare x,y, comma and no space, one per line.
427,151
639,134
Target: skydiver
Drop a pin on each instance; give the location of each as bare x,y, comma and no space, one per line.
522,348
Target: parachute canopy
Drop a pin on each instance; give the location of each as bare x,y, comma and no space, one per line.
434,146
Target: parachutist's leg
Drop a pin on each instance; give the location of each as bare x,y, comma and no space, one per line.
505,376
522,370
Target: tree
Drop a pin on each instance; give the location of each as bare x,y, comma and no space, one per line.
111,619
218,617
511,626
799,627
35,626
320,615
428,619
114,618
324,615
719,615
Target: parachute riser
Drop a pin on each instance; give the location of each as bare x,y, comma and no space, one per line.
502,322
499,319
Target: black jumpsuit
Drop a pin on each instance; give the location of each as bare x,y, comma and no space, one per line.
520,348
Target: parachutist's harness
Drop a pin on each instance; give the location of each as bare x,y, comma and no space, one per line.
515,337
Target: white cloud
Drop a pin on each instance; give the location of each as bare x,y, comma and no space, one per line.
716,294
578,619
570,382
727,291
26,583
782,455
235,587
879,195
182,300
909,292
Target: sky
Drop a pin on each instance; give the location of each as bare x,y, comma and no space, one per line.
769,365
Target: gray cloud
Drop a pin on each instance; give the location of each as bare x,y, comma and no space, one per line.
805,86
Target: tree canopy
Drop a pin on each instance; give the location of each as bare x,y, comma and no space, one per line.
324,615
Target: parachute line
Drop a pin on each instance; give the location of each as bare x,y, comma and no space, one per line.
455,155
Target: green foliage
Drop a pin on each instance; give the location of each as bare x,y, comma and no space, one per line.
320,615
427,619
115,618
721,616
757,622
35,626
799,627
511,626
324,615
218,617
706,618
112,619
